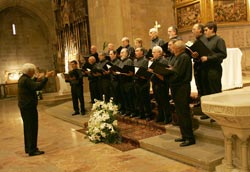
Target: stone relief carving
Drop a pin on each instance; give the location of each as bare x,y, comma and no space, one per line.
223,109
230,11
188,15
243,111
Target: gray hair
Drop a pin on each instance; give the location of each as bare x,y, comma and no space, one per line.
153,30
27,67
125,39
157,48
125,49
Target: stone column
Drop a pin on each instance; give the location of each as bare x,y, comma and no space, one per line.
228,152
244,156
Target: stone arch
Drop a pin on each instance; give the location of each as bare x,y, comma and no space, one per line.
33,8
37,17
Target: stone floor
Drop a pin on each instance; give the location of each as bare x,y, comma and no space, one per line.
67,150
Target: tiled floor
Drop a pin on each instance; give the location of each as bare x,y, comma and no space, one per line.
67,150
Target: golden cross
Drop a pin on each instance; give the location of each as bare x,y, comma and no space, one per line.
156,26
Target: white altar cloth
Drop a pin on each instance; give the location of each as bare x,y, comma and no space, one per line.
232,73
64,87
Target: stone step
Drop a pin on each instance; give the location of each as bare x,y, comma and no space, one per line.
204,130
52,99
204,133
203,155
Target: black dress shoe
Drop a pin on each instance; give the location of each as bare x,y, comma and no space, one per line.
212,120
179,140
204,117
187,143
36,153
76,113
83,113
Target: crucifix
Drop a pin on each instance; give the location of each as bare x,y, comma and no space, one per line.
156,26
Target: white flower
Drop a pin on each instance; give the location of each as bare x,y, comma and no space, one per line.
102,123
115,123
103,134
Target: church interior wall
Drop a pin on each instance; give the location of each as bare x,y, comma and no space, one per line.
33,42
110,21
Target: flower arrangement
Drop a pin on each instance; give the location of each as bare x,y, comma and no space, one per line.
102,125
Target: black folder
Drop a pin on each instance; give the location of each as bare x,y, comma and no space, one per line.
107,66
115,68
97,70
161,69
128,68
200,48
143,72
125,69
87,67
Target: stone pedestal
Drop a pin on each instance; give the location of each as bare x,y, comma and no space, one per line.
231,111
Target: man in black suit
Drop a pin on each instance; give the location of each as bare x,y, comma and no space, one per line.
27,103
76,82
160,88
142,87
126,85
180,91
93,78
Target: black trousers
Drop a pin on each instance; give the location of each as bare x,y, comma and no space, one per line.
115,91
77,94
198,77
142,98
161,95
181,97
104,88
30,128
127,96
94,90
211,79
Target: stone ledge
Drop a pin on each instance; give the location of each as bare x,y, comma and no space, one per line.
202,155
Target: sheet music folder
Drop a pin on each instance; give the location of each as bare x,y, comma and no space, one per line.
161,69
125,69
200,48
143,72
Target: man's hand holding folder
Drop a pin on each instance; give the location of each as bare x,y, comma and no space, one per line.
198,49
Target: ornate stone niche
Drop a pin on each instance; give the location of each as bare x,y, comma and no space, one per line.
72,29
